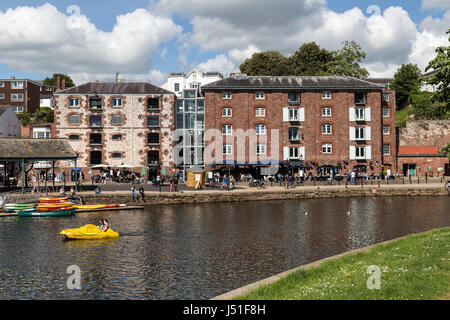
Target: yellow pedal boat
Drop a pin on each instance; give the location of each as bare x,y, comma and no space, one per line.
89,231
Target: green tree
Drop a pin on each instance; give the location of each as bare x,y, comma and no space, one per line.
52,81
345,62
425,107
309,60
446,150
407,81
25,118
43,115
267,63
442,78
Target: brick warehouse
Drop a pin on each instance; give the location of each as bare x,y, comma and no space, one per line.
116,124
328,123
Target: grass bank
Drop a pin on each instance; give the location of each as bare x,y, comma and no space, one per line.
414,267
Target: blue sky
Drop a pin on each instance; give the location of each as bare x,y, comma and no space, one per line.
146,39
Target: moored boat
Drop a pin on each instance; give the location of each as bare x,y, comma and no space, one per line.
48,213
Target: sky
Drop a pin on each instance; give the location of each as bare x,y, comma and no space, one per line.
145,40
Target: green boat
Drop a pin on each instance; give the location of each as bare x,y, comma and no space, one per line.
52,213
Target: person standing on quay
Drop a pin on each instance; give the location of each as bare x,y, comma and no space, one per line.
141,191
134,195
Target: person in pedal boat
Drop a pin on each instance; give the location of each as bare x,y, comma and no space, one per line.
104,226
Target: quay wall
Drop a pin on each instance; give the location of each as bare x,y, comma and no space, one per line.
236,196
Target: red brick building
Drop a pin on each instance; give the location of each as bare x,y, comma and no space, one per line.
421,161
21,94
324,124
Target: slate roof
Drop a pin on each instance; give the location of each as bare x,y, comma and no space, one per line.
291,82
115,88
3,109
36,149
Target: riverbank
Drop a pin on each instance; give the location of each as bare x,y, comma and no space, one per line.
243,193
412,267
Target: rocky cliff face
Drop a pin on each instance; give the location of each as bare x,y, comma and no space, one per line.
425,133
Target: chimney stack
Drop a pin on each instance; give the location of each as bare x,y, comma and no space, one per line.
58,83
63,84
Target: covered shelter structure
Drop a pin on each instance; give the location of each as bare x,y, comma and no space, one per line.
26,151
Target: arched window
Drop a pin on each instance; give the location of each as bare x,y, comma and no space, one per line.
74,119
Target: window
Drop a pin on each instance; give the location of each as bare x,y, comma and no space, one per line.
116,137
260,149
293,115
2,96
153,121
116,155
326,94
17,109
95,138
326,112
117,102
227,129
386,112
360,154
386,130
95,121
359,114
2,84
385,97
17,97
226,112
294,134
386,149
176,87
326,129
95,103
293,98
116,119
74,119
260,112
41,133
153,138
74,102
360,98
189,94
74,137
200,105
153,158
17,85
327,148
96,157
152,104
259,95
226,95
227,149
359,133
260,129
294,153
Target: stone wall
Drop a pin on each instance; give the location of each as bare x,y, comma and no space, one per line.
425,133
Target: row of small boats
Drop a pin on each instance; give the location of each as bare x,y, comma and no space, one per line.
58,206
61,206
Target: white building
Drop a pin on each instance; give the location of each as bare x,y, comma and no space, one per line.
178,81
10,125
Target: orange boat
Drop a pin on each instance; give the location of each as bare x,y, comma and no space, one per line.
54,209
54,199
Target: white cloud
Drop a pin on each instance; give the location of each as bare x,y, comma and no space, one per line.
220,63
61,43
433,4
154,76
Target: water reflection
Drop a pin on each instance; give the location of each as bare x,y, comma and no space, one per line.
198,251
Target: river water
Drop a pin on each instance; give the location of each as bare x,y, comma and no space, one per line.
198,251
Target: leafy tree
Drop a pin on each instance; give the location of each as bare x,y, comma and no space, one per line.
25,118
424,107
267,63
407,81
43,115
442,79
446,150
345,62
52,81
309,60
